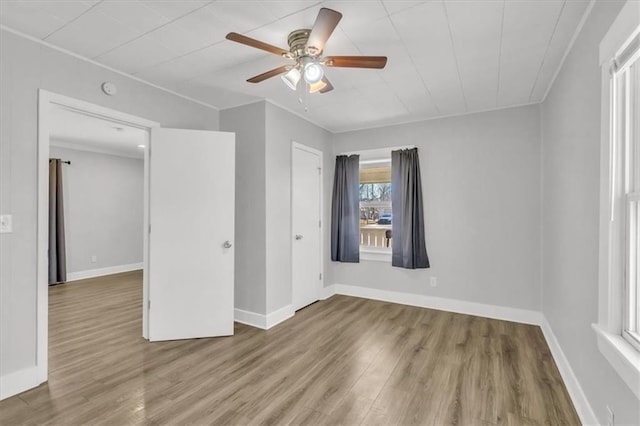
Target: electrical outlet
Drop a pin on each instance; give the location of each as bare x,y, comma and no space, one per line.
610,417
94,258
434,282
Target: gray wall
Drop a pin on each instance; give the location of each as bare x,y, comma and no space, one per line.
103,205
571,184
25,67
282,129
481,186
264,133
250,236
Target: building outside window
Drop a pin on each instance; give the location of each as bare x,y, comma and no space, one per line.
376,215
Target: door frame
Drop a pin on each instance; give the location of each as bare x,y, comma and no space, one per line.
296,145
46,100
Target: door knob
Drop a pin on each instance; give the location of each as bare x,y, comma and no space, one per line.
298,237
227,244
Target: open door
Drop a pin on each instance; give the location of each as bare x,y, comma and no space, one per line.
191,230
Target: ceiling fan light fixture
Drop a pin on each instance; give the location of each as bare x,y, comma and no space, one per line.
313,72
316,87
291,78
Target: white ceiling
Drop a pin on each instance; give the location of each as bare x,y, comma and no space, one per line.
79,131
445,57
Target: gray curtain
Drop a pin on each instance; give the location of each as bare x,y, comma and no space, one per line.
57,255
408,243
345,210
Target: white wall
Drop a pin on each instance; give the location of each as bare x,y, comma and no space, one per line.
571,183
103,199
25,67
481,186
248,122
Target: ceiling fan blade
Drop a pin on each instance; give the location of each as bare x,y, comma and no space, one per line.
239,38
272,73
356,61
326,22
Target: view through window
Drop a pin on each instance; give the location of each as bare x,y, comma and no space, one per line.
376,215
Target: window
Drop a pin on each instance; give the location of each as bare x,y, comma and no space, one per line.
618,327
376,215
626,121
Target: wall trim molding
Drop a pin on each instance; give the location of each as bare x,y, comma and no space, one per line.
423,301
264,322
580,401
19,381
92,273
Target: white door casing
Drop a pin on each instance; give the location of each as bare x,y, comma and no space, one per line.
306,226
191,218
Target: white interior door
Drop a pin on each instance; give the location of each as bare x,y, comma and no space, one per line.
306,226
191,218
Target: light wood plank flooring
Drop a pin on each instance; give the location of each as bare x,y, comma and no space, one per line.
341,361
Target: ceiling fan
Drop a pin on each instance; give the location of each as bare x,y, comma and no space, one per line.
305,49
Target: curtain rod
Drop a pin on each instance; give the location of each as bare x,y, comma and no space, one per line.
376,150
62,161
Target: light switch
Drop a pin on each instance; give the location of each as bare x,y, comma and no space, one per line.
6,223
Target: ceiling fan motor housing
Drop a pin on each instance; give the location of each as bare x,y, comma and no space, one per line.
297,44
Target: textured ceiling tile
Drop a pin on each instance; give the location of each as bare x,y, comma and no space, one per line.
425,32
476,29
30,19
174,9
243,15
528,28
132,14
93,34
135,56
395,6
569,19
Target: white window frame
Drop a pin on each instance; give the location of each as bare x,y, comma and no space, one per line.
619,352
380,255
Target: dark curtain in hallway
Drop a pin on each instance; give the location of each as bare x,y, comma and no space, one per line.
57,255
408,243
345,210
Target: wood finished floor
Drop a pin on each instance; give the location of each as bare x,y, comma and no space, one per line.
341,361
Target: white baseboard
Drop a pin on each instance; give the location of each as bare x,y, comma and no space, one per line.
18,382
282,314
92,273
423,301
580,401
250,318
327,292
262,321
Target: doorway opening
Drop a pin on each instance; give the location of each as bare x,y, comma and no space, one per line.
51,109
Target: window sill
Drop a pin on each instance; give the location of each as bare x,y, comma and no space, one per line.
375,255
622,356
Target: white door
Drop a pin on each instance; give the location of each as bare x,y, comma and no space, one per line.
306,226
191,218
